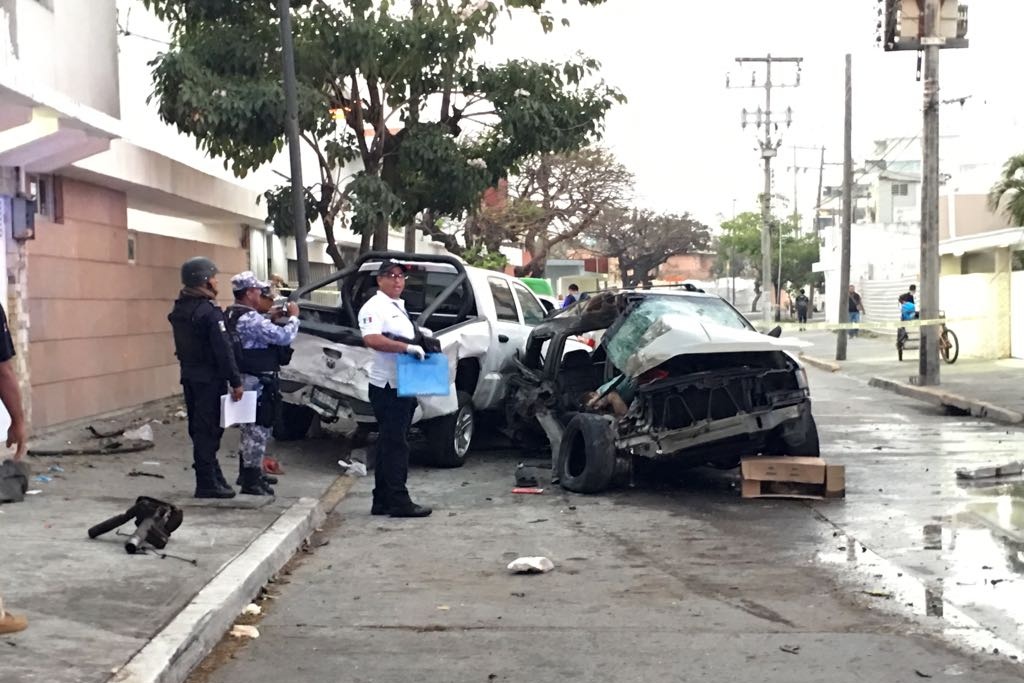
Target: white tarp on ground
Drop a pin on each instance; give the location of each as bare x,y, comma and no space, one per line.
674,335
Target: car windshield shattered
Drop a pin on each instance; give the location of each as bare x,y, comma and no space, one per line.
709,309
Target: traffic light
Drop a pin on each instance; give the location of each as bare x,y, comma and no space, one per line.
901,24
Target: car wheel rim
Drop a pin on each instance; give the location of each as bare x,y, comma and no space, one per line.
463,431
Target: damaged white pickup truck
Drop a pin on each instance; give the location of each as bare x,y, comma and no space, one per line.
481,318
673,374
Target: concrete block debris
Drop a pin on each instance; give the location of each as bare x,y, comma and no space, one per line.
991,471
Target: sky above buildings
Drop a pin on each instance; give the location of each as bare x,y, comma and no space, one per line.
680,132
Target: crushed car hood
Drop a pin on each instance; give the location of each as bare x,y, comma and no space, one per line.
674,335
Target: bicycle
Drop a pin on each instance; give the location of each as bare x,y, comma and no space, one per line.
949,343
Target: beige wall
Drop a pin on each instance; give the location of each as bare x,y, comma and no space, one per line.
99,337
978,305
973,216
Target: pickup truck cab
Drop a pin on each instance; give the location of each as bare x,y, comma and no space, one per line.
482,319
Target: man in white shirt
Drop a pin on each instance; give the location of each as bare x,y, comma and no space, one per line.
383,322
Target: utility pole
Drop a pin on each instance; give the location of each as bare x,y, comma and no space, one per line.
291,127
769,149
926,26
821,181
844,253
928,359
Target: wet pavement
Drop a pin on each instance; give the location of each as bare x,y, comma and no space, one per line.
992,381
962,541
912,576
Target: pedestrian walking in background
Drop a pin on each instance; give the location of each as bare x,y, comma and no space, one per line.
572,297
802,306
208,366
855,306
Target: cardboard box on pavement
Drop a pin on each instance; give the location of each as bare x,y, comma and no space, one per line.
792,477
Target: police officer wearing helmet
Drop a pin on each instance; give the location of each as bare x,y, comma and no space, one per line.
208,366
384,324
261,347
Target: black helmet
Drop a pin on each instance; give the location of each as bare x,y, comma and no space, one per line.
197,271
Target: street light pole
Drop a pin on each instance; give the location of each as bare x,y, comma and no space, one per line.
291,127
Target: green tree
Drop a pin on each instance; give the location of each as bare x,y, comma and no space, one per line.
643,240
1008,194
401,92
741,241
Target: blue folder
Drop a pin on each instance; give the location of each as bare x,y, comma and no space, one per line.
428,377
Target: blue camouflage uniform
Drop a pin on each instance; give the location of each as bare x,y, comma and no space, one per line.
254,331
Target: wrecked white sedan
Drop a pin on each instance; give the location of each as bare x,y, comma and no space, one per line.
672,374
480,317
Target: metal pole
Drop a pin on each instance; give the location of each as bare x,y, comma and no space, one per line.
928,361
844,253
291,127
821,180
767,152
778,288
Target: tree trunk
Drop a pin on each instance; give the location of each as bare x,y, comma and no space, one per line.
332,244
380,234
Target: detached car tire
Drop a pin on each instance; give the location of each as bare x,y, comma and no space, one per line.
586,456
451,436
293,422
799,440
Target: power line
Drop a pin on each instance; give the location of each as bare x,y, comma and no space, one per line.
866,171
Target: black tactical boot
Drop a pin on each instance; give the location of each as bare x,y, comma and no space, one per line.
253,484
207,485
266,477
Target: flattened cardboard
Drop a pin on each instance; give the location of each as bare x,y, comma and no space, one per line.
794,469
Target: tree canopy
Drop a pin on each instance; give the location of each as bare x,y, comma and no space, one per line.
555,198
1008,193
740,243
643,240
398,90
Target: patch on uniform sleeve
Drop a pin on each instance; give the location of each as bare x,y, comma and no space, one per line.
366,320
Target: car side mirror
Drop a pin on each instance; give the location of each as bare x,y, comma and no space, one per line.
776,332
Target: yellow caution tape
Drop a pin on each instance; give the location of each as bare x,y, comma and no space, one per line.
872,325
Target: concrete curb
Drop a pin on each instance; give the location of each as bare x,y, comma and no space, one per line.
181,645
826,365
936,396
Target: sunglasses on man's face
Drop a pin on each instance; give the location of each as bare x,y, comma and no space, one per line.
394,276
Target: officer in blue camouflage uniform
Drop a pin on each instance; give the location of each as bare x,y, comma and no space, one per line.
262,345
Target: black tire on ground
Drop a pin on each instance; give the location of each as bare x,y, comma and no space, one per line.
451,436
586,457
800,441
293,422
951,353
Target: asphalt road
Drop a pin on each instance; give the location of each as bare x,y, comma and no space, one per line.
677,579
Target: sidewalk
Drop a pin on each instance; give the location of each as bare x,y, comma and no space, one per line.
984,388
92,607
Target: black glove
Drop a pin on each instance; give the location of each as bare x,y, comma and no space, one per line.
430,345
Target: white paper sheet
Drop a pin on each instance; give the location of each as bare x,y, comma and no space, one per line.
238,412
